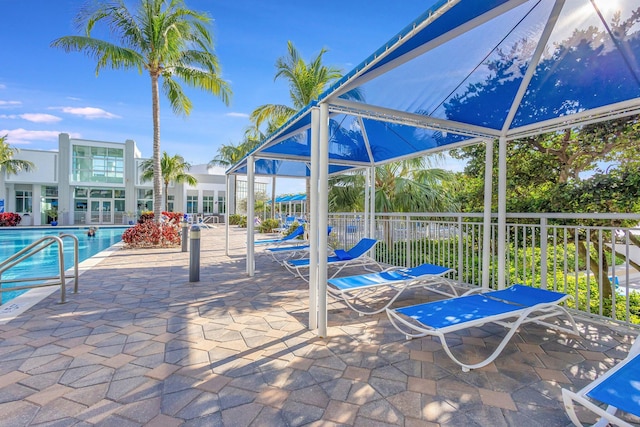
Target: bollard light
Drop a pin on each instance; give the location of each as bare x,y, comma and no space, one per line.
185,236
194,256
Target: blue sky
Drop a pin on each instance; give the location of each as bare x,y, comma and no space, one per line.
45,91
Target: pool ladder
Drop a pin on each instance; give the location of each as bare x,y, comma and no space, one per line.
31,250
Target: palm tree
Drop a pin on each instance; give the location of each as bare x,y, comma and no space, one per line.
413,185
9,165
173,170
307,81
230,154
164,38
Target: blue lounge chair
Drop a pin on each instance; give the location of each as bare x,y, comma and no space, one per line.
281,253
618,390
362,292
356,256
289,238
510,308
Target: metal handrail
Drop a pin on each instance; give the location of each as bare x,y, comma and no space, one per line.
35,248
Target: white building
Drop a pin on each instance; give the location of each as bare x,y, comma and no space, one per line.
97,182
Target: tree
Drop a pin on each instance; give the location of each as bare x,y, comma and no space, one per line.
166,40
545,172
230,154
307,81
407,186
173,170
8,164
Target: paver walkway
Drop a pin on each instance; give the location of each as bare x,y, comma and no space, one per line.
140,345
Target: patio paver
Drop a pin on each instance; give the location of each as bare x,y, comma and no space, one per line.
141,345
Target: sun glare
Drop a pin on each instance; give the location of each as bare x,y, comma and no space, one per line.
607,7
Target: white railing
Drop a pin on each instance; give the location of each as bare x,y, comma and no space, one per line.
547,250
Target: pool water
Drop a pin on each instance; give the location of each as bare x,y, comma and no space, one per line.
45,263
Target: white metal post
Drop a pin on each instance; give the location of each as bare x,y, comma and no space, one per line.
313,220
543,252
226,216
250,215
486,235
372,202
323,213
502,210
367,196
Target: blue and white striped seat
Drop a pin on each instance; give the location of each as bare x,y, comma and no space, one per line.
366,293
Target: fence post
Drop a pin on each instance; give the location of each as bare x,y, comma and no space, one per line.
543,252
407,224
460,251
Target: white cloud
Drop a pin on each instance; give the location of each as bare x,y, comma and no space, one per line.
89,113
9,103
3,86
32,117
24,137
40,118
242,115
73,98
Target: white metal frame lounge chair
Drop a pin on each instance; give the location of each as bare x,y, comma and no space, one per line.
359,292
356,256
290,238
280,252
510,308
616,390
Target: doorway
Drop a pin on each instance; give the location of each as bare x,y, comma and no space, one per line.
101,212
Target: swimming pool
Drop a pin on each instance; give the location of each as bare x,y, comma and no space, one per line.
14,239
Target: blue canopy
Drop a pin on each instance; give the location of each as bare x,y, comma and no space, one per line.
290,198
467,71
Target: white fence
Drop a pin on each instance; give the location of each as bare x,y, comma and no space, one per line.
591,257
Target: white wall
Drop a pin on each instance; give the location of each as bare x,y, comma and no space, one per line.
45,171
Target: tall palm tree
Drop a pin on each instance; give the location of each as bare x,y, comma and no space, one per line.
173,170
230,154
413,185
165,39
307,81
9,165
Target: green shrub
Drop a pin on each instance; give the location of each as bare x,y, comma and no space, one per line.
268,225
236,219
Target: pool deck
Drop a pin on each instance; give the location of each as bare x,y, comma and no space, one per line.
141,345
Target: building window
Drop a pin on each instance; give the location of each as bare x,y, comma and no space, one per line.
222,205
24,201
145,200
97,164
51,191
171,202
207,204
192,204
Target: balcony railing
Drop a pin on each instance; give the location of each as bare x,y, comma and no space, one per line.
591,257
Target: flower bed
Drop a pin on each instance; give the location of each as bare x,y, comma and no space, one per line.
149,234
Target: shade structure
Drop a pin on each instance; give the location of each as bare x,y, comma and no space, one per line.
469,70
464,72
290,198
